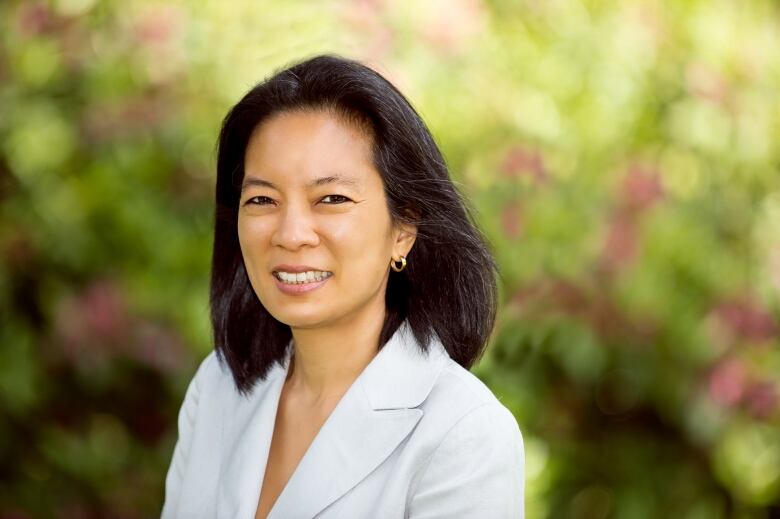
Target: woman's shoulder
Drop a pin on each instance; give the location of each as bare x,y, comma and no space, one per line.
472,460
460,398
212,375
459,386
209,370
470,388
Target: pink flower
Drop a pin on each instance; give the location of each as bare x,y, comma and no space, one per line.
158,25
621,244
455,25
706,83
511,220
96,326
745,319
91,325
35,18
521,161
641,188
104,310
761,399
368,19
156,346
727,382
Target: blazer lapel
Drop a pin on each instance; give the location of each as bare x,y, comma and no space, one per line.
376,413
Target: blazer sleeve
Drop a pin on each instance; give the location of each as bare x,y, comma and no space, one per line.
181,451
476,471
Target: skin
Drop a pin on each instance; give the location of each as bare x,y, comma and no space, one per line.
336,327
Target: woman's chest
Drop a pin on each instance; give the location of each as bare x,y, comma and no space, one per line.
294,431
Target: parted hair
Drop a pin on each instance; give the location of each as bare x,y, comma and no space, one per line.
448,287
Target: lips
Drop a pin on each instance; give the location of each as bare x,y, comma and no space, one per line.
297,268
299,288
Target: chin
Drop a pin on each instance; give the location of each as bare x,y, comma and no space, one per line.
299,319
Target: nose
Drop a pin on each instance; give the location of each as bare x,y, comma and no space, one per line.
295,228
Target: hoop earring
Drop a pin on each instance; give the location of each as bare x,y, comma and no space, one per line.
403,264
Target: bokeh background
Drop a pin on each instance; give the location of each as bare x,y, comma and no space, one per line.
622,159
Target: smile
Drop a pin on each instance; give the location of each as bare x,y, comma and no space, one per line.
293,278
288,283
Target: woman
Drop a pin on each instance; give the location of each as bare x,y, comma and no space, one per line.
350,293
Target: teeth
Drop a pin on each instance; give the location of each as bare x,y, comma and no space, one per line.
295,278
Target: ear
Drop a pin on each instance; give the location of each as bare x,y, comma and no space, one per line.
404,236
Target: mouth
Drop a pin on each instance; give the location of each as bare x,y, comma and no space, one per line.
302,278
289,284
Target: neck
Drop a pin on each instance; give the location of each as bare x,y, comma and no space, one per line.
326,361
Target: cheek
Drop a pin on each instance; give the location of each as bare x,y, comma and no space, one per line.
243,237
362,242
251,236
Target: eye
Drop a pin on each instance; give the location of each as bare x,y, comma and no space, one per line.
340,199
258,200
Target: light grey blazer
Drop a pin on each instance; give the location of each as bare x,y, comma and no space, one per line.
413,437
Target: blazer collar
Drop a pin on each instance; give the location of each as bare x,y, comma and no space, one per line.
376,413
401,376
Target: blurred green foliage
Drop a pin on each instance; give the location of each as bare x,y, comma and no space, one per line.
621,157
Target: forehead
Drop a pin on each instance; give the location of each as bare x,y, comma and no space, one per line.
298,139
310,149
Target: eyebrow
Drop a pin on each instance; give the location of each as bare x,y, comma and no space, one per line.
321,181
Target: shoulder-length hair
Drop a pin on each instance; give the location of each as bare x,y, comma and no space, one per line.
449,285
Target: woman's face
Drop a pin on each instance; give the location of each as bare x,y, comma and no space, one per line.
311,198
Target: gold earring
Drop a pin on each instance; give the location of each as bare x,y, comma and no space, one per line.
403,264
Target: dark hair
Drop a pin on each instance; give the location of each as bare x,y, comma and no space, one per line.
449,285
